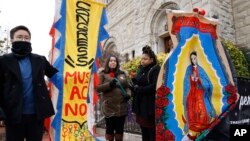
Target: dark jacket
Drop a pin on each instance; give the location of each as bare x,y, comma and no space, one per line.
144,97
11,96
112,100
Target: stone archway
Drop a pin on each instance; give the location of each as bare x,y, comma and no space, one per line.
159,30
109,44
108,48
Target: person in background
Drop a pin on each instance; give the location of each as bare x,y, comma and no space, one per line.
113,99
24,98
144,87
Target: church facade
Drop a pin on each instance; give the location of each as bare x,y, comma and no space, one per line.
135,23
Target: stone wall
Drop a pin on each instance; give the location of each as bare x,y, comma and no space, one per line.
223,10
126,22
130,21
241,12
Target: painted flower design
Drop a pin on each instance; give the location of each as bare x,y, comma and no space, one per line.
162,91
159,137
168,135
231,99
159,127
231,90
161,102
158,113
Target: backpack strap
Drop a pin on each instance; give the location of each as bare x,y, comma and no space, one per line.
151,70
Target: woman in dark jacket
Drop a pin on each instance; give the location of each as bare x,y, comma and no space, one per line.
144,87
113,100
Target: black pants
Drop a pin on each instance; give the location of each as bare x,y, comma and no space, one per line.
30,129
115,125
148,134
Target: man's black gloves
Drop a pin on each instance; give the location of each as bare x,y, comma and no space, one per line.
112,83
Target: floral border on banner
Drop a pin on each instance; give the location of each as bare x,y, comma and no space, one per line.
161,102
232,94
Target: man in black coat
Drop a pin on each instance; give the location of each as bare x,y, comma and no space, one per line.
24,97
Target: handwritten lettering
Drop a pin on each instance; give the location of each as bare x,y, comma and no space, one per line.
81,77
82,19
75,109
79,94
77,84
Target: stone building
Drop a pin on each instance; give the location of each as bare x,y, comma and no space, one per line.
135,23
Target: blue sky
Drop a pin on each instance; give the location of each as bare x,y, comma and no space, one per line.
37,15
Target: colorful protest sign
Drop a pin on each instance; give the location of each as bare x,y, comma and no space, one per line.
195,85
79,29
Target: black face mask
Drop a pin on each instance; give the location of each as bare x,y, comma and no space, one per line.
21,49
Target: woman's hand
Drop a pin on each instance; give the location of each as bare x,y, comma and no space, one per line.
112,83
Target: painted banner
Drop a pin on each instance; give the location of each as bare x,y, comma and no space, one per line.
78,31
195,85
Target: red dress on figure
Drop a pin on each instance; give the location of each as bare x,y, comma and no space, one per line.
198,118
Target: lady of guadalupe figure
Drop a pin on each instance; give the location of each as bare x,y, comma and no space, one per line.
199,110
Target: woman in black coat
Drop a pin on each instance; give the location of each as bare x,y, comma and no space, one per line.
144,87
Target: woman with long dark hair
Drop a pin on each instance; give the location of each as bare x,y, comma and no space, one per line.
113,86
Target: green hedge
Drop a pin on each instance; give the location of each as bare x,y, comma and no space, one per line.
238,59
132,65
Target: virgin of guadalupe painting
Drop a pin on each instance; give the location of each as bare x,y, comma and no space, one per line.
198,108
195,88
